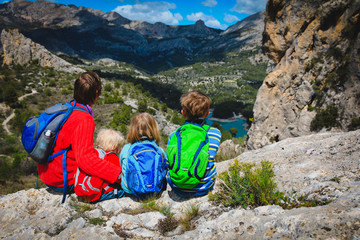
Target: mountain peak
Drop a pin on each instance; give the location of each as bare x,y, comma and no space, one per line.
200,24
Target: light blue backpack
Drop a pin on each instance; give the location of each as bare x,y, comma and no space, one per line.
143,169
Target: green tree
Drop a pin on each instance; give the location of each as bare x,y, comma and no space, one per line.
178,119
21,116
217,125
142,107
233,131
225,135
163,107
108,87
10,94
156,106
48,92
121,117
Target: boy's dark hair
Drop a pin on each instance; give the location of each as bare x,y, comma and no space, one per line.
87,88
195,105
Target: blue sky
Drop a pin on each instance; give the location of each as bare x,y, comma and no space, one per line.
215,13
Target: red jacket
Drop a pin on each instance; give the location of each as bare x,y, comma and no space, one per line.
77,132
91,188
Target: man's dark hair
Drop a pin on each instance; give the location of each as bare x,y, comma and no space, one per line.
87,88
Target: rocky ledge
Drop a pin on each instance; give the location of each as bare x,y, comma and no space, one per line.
324,167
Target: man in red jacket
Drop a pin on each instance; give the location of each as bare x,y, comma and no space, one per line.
77,133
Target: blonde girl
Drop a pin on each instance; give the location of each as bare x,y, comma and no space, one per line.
143,161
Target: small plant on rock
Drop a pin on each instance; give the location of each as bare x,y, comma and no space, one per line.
246,186
167,224
243,185
191,212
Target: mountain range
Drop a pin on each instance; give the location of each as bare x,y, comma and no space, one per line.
93,34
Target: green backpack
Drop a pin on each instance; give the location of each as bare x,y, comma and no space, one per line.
188,155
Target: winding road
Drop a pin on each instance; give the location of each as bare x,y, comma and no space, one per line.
4,124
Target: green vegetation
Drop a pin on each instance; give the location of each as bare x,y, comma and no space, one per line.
54,87
233,79
354,124
233,131
325,118
191,212
121,118
242,185
225,135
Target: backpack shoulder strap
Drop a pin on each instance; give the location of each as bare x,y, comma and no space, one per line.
206,127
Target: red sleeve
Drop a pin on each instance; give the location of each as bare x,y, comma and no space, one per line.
113,158
87,157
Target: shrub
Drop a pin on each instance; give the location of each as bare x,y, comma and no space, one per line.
163,107
244,186
151,111
178,119
108,87
354,124
225,135
48,92
142,107
167,225
217,125
96,221
326,118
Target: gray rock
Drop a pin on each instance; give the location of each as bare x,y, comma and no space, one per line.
310,57
324,167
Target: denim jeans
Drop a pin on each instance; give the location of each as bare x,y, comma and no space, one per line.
191,194
117,193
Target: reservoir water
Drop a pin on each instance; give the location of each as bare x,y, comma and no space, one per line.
236,122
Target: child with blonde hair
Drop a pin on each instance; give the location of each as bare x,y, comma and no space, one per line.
108,144
143,161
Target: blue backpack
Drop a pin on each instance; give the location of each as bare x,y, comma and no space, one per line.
144,169
40,133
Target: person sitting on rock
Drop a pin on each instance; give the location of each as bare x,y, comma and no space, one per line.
93,189
192,148
77,135
142,160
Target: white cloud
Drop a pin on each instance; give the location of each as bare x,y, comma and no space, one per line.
209,21
249,6
151,12
230,18
209,3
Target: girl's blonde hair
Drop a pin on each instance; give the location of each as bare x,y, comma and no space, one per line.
110,140
143,127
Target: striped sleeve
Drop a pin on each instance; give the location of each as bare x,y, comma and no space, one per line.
214,142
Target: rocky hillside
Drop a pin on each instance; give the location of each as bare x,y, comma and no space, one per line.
244,35
315,84
308,166
18,49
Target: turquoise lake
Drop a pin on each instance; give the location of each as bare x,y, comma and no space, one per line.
226,124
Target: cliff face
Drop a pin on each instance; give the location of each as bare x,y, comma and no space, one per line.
316,82
17,49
